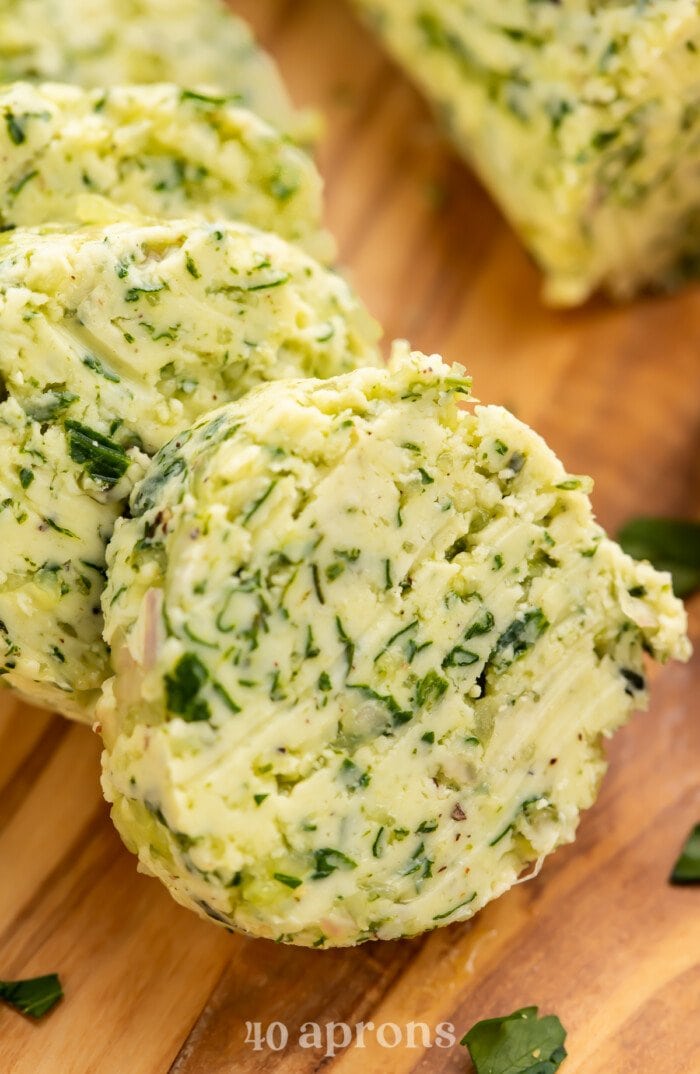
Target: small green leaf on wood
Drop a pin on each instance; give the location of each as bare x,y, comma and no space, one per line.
34,997
670,544
519,1043
687,868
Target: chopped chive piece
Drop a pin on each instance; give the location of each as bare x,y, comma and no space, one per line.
15,128
289,881
377,845
454,909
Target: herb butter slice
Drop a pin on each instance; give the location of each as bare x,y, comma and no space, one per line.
112,340
366,647
162,150
581,117
196,43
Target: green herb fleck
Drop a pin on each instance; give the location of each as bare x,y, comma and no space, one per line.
327,860
135,293
26,477
687,868
481,626
352,776
317,583
289,881
192,268
257,504
15,128
520,636
454,909
430,689
459,657
94,363
53,525
103,459
225,696
347,643
182,689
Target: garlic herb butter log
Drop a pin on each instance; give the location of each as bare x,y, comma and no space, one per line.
162,150
581,117
366,647
112,340
194,43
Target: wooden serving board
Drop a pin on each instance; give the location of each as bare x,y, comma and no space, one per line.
599,937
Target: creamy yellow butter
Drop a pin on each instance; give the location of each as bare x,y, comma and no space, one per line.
581,117
194,43
366,647
112,340
161,150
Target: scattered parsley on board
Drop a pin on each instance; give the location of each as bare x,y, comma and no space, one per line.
34,997
518,1043
687,868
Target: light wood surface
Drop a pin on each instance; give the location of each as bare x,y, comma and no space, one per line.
599,937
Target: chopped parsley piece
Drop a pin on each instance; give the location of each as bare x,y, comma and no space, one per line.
94,363
459,657
182,689
352,776
687,868
25,477
520,636
103,459
50,405
481,626
519,1043
327,860
430,688
34,997
15,128
134,293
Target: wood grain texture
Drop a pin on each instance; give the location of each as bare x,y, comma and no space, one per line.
599,937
